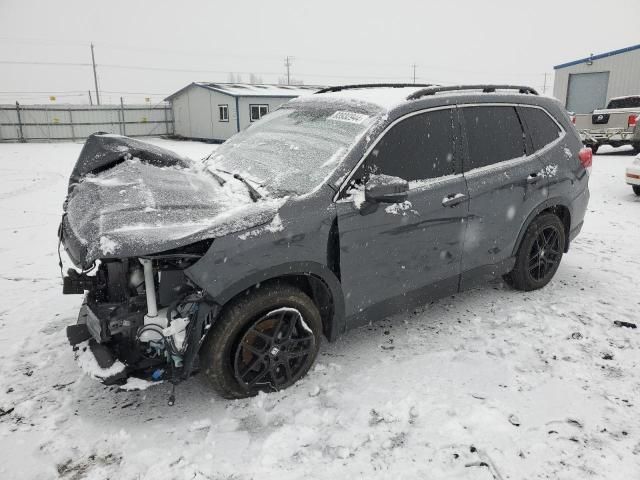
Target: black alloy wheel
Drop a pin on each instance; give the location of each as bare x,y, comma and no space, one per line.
539,253
545,253
274,351
265,339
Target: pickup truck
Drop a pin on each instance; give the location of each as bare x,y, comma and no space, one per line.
616,125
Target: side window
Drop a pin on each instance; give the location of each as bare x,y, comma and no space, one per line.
258,111
417,148
494,134
223,111
541,129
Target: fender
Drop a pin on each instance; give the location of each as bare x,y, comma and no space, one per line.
337,323
548,203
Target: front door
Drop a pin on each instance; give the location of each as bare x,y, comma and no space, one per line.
505,185
393,255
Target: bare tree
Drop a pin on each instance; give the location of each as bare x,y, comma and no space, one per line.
254,79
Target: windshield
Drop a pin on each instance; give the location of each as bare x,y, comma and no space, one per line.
294,149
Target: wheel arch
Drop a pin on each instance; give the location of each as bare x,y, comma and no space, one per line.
558,206
314,279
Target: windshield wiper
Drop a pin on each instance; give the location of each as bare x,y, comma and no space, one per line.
253,193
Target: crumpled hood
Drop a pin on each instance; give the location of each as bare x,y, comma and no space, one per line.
135,208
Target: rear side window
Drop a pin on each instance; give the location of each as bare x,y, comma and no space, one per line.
541,129
494,134
418,148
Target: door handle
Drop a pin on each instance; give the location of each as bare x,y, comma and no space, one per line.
533,178
453,199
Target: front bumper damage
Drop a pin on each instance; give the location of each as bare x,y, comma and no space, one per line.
151,330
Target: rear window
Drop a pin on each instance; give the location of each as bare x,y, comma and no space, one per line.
629,102
494,134
541,129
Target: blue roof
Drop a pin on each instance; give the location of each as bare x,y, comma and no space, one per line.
597,57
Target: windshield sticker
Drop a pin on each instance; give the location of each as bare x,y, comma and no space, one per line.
350,117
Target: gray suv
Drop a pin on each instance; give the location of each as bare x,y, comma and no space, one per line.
337,209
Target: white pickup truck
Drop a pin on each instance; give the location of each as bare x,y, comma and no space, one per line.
616,125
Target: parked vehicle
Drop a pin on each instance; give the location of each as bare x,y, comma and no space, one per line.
616,125
632,175
338,209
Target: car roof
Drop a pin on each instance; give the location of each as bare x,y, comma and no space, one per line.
388,97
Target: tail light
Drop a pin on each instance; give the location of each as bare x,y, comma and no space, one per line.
586,158
632,121
573,119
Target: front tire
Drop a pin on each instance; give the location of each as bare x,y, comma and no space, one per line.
594,148
539,254
265,340
636,189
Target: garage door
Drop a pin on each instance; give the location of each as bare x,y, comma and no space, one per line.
587,91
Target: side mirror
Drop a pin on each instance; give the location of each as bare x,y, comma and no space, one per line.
386,189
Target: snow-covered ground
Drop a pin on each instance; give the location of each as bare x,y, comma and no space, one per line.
488,384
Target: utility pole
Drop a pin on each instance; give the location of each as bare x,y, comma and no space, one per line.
544,88
287,63
414,72
95,75
90,99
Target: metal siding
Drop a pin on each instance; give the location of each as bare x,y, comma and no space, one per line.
223,130
624,78
199,113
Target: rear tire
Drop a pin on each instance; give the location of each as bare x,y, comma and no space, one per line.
636,189
636,148
539,254
249,342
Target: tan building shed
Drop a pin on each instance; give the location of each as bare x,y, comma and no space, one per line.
589,83
216,111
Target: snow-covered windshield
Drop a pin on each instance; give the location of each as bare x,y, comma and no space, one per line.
295,148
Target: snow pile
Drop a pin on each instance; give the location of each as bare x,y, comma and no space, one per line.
137,384
274,226
400,208
107,246
88,363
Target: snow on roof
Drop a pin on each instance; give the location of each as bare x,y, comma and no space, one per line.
253,90
384,97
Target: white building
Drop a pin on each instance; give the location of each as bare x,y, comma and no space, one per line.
589,83
215,111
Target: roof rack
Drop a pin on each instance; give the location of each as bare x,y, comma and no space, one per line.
339,88
432,90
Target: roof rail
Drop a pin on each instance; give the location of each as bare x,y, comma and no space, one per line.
339,88
432,90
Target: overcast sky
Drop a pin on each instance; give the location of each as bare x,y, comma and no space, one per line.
145,48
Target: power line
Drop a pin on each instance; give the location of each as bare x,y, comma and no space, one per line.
62,64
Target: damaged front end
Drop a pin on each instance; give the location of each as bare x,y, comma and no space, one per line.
141,317
135,217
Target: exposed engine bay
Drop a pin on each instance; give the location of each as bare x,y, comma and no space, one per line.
143,312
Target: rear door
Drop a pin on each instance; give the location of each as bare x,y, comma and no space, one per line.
504,184
397,254
541,133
